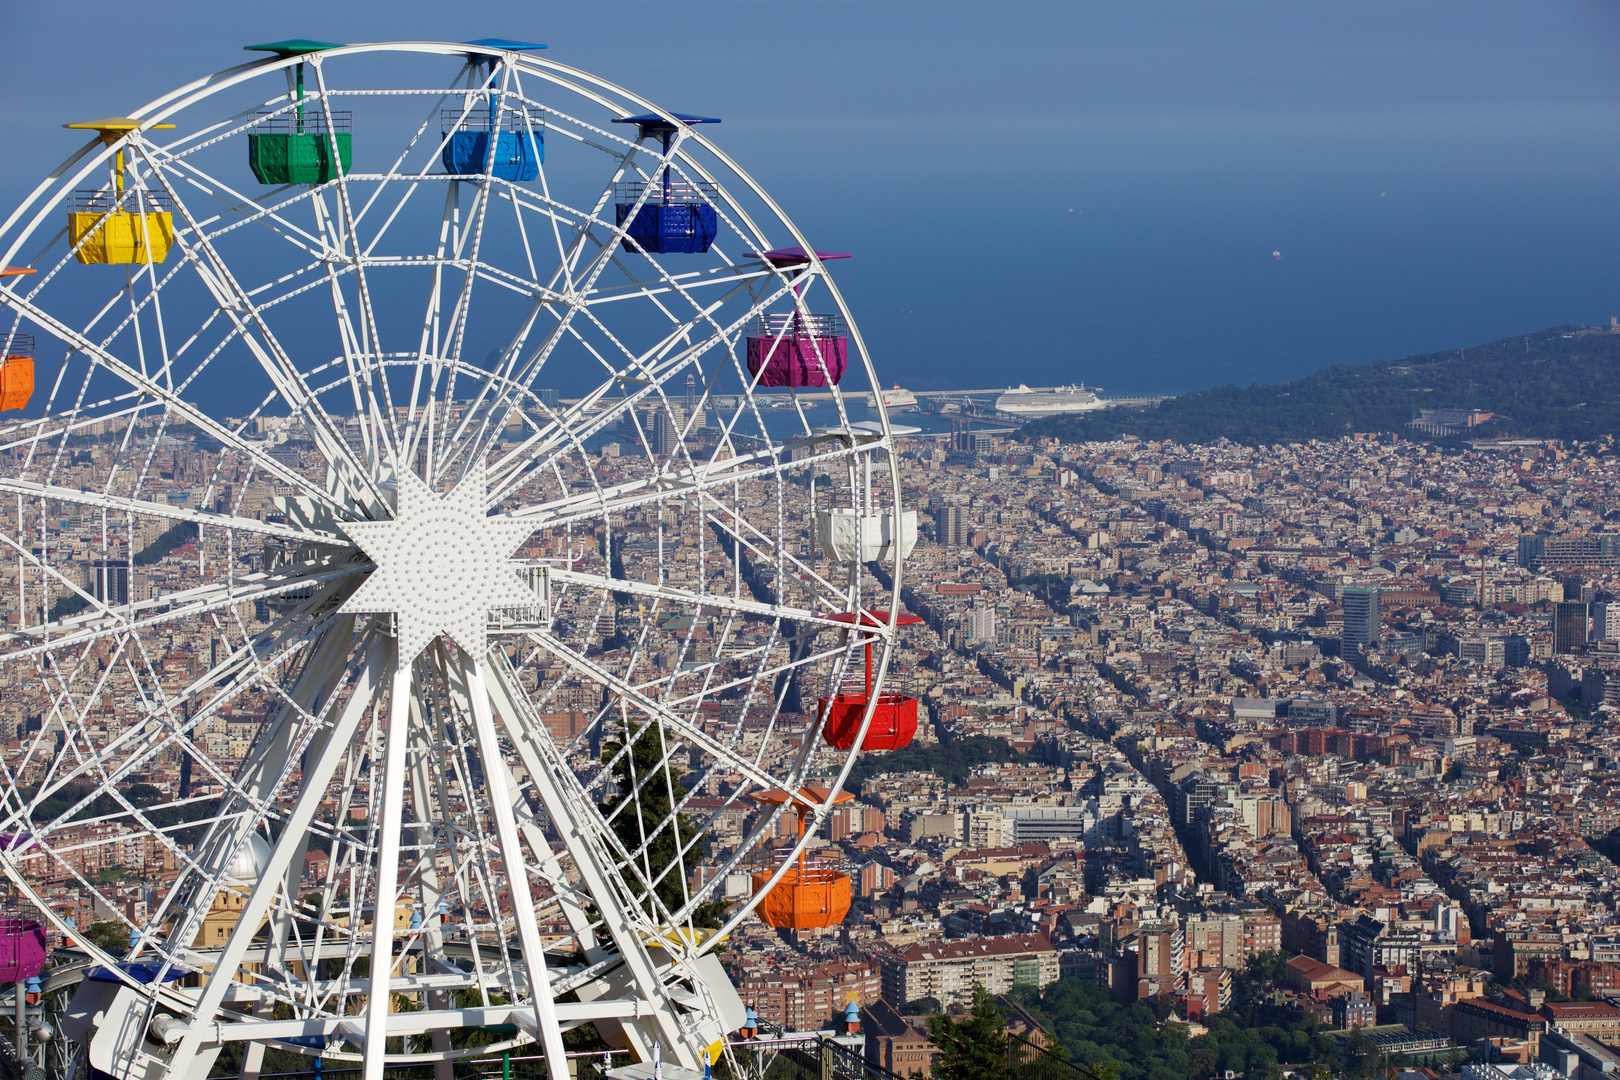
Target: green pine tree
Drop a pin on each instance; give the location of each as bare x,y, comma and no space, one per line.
657,797
975,1047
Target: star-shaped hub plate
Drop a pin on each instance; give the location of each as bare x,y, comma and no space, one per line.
442,564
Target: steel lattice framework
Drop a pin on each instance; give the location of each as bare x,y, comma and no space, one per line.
423,646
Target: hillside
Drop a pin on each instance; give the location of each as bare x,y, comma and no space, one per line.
1561,383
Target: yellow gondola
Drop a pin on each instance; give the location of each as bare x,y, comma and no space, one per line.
118,227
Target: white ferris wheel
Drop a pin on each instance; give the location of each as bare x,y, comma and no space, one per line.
427,488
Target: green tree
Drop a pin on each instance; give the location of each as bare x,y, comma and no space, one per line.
952,759
1362,1054
110,936
923,1006
1268,966
975,1047
658,793
1552,384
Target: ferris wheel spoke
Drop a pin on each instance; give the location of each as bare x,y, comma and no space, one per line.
469,248
247,667
472,678
640,372
688,599
77,630
429,355
138,744
675,697
246,318
504,397
654,709
213,519
693,480
291,730
590,844
379,1001
172,403
239,210
594,294
476,872
349,239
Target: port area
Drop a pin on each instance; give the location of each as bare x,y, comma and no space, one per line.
973,402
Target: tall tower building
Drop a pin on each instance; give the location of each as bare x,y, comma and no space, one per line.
691,402
1570,626
953,528
982,623
108,581
1361,618
665,435
1606,621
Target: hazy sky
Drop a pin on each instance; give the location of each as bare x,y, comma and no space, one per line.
1433,175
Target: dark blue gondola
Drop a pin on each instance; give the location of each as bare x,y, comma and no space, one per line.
520,139
676,216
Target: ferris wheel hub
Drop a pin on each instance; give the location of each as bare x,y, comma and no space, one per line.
442,564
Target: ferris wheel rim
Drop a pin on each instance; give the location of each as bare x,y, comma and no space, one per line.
174,103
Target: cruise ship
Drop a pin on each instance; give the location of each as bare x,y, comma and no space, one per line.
1062,399
895,400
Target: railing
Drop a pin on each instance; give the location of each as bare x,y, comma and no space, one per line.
500,1067
678,191
306,119
477,119
16,345
816,1058
817,870
100,201
1027,1061
795,324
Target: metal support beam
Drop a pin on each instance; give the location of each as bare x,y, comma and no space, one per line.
382,910
517,874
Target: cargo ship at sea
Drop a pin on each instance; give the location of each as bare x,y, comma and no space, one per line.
894,400
1060,399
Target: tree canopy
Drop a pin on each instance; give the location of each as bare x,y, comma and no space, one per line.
974,1047
654,785
952,759
1142,1042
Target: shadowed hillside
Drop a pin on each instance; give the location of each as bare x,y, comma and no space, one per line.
1561,383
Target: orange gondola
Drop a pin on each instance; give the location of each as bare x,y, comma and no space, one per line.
17,367
810,895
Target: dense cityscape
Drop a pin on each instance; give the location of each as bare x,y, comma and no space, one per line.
485,594
1190,710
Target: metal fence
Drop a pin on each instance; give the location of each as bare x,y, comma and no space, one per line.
816,1058
306,118
813,1058
498,1067
1027,1061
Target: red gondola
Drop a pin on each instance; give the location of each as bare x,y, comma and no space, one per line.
894,719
